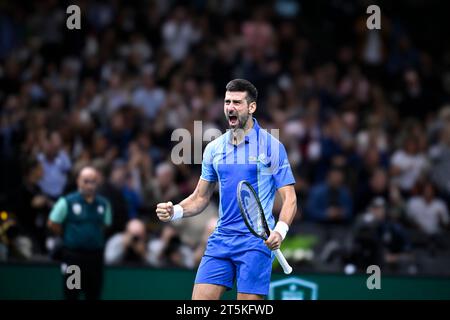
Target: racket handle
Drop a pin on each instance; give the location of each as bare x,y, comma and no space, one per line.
282,260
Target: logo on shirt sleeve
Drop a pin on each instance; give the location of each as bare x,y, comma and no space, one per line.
76,208
100,210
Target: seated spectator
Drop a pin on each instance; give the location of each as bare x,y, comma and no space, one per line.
169,251
407,165
377,187
330,201
14,244
428,212
379,240
129,246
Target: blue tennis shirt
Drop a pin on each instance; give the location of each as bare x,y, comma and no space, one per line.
260,159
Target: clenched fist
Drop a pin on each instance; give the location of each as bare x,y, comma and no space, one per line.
164,211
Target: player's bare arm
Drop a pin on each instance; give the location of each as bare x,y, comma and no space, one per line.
192,205
287,214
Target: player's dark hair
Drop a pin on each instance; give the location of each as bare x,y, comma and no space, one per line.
243,85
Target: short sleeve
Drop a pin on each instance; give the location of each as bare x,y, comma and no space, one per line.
280,167
208,171
59,211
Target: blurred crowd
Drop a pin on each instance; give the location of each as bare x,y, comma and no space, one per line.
364,115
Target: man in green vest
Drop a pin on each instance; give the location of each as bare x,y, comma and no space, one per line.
80,218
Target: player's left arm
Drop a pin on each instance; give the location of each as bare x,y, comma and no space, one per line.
287,214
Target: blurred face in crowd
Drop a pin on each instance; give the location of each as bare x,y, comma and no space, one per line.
118,176
88,181
335,178
165,175
117,122
378,182
411,146
237,109
372,158
148,81
428,192
53,145
100,145
56,102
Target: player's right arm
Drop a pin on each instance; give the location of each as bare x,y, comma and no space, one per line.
192,205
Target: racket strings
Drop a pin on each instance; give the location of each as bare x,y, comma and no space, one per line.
253,213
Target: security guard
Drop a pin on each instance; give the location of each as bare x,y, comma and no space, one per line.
80,218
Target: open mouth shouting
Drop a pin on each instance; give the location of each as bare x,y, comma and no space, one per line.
233,120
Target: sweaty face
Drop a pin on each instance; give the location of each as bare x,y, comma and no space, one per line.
236,109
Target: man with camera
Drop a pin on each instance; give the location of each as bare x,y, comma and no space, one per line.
129,246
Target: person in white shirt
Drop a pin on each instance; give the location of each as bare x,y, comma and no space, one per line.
408,165
427,211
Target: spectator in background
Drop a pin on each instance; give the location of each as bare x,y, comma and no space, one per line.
148,98
378,240
33,206
117,94
427,212
416,99
120,180
169,251
377,187
129,246
111,190
12,131
118,133
201,246
192,230
56,164
440,161
163,186
408,165
179,34
14,244
330,201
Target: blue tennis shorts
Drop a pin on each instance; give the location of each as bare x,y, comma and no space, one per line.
241,258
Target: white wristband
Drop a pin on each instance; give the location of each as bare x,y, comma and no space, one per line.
282,228
177,212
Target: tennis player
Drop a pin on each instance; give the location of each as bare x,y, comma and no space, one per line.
246,152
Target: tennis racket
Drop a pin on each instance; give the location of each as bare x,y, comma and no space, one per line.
254,218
